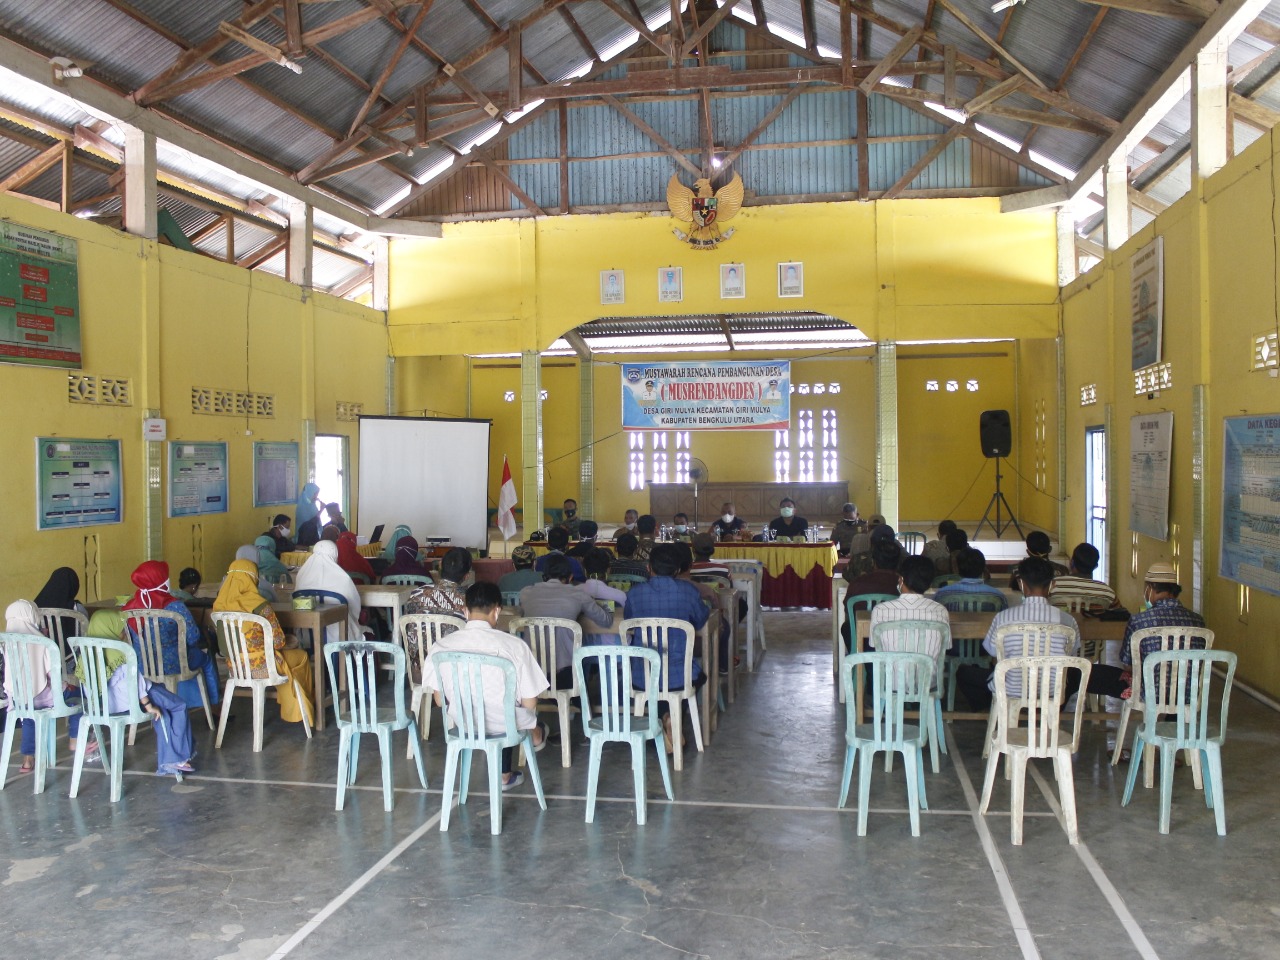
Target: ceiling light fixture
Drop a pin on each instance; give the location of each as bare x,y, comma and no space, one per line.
65,68
1005,5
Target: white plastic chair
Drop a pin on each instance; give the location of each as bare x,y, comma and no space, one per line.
427,630
896,680
463,677
1038,640
933,639
95,708
51,622
652,632
25,684
1170,638
148,627
240,672
1095,651
616,724
1044,682
358,662
540,634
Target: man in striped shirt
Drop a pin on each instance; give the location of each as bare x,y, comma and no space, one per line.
913,580
1035,574
1079,588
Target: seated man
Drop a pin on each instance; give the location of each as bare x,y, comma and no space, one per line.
886,555
447,596
627,562
788,524
630,518
557,543
937,550
646,534
279,532
480,634
665,596
1079,586
596,563
554,597
729,526
680,527
524,574
978,683
957,540
1038,545
587,531
860,548
571,521
846,528
336,518
971,564
912,604
704,548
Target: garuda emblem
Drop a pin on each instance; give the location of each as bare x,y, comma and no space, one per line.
704,210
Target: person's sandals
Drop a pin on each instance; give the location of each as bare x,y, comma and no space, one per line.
28,765
546,734
92,753
515,781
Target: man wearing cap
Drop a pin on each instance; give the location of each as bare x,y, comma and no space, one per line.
524,575
846,528
788,524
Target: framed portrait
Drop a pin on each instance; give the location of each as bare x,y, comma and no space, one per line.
733,281
670,284
613,287
791,279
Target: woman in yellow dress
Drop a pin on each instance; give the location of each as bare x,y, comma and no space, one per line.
239,594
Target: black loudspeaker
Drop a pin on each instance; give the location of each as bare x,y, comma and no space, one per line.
997,434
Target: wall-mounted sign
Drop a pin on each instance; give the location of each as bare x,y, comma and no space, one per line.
39,298
1250,551
78,483
1146,293
197,479
275,473
706,396
1150,456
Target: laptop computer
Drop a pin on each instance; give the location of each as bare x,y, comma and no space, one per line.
377,533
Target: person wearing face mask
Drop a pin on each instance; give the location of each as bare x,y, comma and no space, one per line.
279,532
847,527
788,524
728,526
680,527
629,522
571,522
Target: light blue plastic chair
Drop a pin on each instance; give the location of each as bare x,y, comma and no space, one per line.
912,541
617,722
868,602
461,676
896,680
95,707
919,636
406,580
945,580
356,670
359,576
1191,728
968,649
511,598
24,684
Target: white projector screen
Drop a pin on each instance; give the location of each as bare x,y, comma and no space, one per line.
430,474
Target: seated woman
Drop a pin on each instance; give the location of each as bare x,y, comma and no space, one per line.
60,592
406,560
152,580
175,746
239,594
349,558
23,616
250,552
270,568
321,572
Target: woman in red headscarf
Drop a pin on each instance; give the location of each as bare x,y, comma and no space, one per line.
349,558
152,582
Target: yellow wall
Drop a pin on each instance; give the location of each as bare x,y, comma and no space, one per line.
169,321
1220,291
900,269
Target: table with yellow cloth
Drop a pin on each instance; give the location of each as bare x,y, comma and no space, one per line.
296,558
795,574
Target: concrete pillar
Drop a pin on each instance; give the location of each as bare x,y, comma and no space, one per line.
298,250
586,438
1115,194
1209,108
140,182
531,439
887,430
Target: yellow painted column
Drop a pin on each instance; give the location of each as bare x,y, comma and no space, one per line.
887,430
149,399
531,438
586,438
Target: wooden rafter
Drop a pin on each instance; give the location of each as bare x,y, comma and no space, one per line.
32,168
1195,11
511,185
392,62
635,21
890,60
704,29
578,33
922,164
992,42
732,157
1070,68
662,142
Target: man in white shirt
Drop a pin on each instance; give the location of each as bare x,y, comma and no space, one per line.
914,578
978,683
481,635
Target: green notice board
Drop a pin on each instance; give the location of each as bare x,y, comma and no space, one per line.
78,483
39,298
275,473
197,478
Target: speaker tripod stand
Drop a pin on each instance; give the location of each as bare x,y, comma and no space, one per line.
997,500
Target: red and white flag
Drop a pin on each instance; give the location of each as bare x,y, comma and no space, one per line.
506,503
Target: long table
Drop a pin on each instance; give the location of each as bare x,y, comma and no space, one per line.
976,625
324,615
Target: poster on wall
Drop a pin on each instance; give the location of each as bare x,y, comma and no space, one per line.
670,284
706,396
1150,456
78,483
197,479
1250,544
733,281
613,286
1146,293
275,473
39,298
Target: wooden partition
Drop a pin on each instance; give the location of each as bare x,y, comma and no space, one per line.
756,503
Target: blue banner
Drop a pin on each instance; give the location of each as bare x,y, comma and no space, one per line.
711,395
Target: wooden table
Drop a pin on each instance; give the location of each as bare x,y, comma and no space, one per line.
748,577
324,615
977,625
382,596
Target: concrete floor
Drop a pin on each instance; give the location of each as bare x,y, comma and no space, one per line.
248,859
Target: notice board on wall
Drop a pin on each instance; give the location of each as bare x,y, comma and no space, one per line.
197,479
39,298
275,473
1150,458
1250,551
78,483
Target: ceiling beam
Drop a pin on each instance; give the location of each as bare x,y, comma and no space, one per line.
1196,12
636,23
663,144
392,62
703,31
511,185
32,168
992,42
772,115
890,60
922,164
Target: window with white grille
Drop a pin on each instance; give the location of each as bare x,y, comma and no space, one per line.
830,444
659,474
636,461
804,445
781,456
683,456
